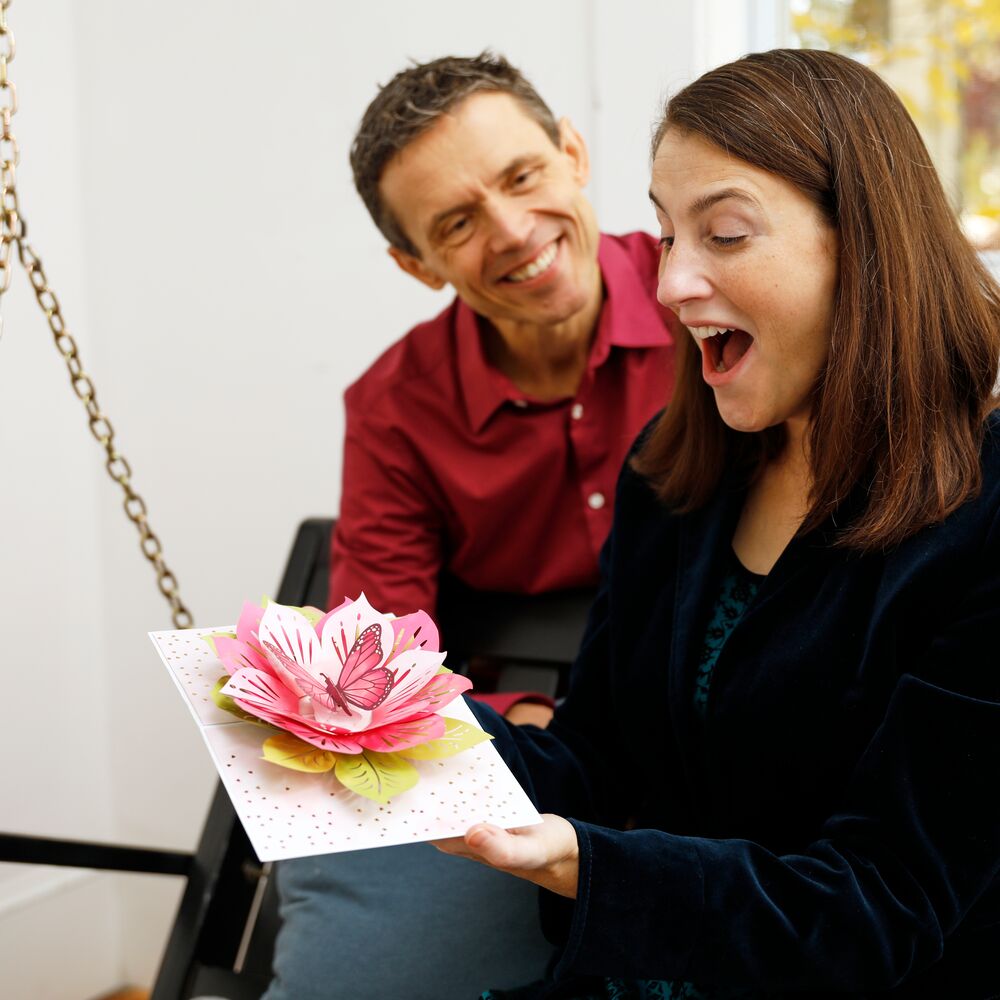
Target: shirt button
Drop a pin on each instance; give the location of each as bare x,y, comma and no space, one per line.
595,501
577,411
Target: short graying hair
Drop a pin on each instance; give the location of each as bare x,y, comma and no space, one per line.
411,102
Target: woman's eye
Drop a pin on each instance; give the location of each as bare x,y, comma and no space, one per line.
666,242
727,241
522,178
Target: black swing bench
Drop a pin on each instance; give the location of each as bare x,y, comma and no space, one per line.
223,935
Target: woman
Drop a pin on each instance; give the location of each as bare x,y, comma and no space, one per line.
781,748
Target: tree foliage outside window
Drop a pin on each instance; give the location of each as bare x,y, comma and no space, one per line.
943,59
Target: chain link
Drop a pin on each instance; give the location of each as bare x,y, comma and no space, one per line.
13,232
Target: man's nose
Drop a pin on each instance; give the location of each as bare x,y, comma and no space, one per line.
682,278
511,225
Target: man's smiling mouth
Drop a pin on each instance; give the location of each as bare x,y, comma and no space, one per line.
535,267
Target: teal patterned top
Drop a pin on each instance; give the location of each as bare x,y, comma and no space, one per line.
738,588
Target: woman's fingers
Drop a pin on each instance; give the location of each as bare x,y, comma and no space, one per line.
546,854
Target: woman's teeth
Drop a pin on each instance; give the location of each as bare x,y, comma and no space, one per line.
704,332
535,267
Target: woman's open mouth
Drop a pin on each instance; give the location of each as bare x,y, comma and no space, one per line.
722,347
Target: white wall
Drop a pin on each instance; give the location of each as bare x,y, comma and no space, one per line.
184,172
55,735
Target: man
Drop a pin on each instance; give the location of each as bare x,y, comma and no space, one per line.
486,442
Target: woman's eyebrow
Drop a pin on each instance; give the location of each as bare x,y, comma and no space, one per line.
702,204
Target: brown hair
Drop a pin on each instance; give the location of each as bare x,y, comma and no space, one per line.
411,102
900,404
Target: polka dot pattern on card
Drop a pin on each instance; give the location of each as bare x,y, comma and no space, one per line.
288,814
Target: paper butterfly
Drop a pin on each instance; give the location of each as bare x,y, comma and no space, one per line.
362,683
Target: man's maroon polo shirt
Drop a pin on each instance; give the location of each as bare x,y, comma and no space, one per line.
447,464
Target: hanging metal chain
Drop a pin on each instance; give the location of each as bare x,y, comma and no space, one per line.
14,231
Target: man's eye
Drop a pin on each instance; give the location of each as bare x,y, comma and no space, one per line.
456,228
522,178
727,241
666,242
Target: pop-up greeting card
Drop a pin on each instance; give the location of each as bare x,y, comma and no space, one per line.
339,731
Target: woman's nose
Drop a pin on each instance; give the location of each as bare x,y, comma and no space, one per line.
682,277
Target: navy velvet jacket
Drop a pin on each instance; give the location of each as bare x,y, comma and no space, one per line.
835,823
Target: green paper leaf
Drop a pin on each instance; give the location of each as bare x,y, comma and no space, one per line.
227,704
291,752
458,736
210,639
377,776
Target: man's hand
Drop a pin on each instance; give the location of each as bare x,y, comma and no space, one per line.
529,713
546,854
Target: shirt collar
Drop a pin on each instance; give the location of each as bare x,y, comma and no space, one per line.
629,318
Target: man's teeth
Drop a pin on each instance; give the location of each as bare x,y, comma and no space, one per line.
535,267
704,332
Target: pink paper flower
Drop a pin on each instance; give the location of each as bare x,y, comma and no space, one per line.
350,681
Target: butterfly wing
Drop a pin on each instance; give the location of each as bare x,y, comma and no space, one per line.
363,681
310,685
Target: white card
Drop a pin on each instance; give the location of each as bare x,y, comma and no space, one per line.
289,814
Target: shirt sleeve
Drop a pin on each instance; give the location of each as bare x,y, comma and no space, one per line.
389,537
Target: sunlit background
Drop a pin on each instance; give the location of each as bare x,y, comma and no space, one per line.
943,58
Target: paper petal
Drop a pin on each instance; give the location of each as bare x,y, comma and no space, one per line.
289,630
311,614
227,704
377,776
403,735
289,751
412,670
416,631
246,627
353,721
458,736
438,692
345,603
261,694
340,628
443,689
210,639
237,655
318,738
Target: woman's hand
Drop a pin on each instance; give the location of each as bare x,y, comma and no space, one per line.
546,854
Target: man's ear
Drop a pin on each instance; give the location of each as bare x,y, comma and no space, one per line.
572,145
417,268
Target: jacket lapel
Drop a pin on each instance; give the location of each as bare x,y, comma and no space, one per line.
704,539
